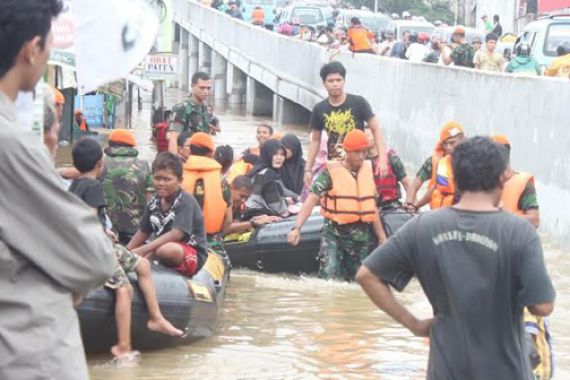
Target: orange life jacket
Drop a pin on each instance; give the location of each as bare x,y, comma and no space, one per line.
444,192
351,199
513,190
238,168
209,171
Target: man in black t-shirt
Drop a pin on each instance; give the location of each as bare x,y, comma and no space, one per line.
339,114
479,267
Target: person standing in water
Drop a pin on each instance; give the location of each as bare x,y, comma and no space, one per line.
479,267
347,195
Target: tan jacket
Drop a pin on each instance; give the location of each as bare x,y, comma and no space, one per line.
50,247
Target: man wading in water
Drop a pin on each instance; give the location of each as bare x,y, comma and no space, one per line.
339,114
479,267
51,246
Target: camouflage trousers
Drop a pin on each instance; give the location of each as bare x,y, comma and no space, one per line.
341,256
216,244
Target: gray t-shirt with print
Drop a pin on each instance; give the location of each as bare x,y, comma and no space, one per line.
478,270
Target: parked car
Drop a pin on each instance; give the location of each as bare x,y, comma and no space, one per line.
309,15
398,27
445,32
544,36
375,22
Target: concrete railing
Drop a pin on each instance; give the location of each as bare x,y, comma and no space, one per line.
413,100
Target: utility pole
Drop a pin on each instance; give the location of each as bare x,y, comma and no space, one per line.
456,11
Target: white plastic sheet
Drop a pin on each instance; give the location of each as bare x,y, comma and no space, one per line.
111,38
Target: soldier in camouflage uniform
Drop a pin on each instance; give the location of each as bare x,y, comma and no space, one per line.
344,245
126,182
192,114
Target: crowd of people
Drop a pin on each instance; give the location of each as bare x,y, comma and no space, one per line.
478,258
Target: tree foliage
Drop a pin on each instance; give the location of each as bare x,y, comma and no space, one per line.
432,10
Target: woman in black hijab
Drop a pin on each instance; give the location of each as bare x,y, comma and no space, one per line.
293,170
269,195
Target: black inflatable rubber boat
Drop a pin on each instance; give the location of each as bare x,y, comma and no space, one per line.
266,249
190,304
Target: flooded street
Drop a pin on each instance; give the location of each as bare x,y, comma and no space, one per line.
290,327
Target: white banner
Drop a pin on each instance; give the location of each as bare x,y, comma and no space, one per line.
112,37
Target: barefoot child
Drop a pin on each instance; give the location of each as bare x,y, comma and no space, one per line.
87,158
174,219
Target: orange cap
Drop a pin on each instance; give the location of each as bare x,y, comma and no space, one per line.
78,112
122,136
202,139
459,30
57,96
501,139
355,140
450,129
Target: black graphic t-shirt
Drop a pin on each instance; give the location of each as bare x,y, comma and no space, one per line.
338,121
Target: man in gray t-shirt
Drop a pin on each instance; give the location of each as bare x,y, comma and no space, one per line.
479,267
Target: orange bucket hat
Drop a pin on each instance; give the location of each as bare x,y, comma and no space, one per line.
122,136
450,129
355,140
501,139
202,139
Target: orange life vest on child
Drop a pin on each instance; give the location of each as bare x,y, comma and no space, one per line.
351,199
442,177
238,168
513,190
209,171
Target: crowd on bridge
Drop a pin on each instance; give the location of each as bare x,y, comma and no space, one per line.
418,46
477,255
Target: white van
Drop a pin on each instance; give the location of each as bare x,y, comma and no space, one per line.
544,36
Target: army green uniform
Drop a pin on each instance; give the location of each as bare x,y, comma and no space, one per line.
343,247
126,179
215,241
189,115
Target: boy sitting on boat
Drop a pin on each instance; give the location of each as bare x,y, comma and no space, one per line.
174,221
88,160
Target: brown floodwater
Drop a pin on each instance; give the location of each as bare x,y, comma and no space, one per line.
291,327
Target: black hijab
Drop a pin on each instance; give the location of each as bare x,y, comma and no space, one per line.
294,167
265,161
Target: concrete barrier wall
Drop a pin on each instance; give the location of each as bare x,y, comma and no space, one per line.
413,100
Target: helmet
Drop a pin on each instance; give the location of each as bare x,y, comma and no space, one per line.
423,37
564,48
406,14
523,49
437,22
395,16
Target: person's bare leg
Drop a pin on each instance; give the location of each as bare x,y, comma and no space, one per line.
156,322
123,319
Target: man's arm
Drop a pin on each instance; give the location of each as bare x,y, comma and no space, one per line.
295,235
374,125
229,218
173,236
382,296
445,56
47,225
314,145
379,228
173,141
139,238
412,190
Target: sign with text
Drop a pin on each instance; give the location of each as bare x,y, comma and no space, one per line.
160,66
